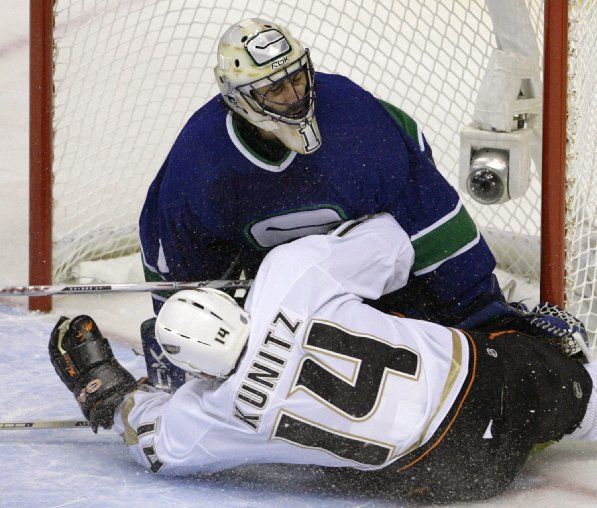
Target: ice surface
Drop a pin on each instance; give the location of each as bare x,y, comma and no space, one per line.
76,467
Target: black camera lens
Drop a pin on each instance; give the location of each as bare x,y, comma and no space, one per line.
485,186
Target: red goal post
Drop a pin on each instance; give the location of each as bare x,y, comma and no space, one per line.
553,209
351,40
40,147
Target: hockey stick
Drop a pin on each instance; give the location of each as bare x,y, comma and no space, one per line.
48,424
135,287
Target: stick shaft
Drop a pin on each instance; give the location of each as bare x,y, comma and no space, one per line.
136,287
47,424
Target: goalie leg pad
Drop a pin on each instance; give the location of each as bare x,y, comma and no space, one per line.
84,361
162,374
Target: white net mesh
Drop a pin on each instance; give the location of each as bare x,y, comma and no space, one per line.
581,205
129,74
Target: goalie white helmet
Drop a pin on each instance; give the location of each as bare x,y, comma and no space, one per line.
266,76
202,331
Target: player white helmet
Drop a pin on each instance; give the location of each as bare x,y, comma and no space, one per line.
256,59
202,331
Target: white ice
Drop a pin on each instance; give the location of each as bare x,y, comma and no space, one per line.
77,468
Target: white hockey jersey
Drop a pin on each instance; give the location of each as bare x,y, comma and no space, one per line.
325,379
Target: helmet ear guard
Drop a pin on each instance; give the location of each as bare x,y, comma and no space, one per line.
254,54
202,331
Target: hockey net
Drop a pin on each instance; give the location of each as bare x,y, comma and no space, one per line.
127,75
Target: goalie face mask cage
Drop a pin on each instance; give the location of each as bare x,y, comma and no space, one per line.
287,96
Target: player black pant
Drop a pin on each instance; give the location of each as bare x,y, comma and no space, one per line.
520,392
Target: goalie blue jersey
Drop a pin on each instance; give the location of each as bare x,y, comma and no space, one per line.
216,203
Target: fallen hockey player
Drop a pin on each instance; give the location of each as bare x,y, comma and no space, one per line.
309,374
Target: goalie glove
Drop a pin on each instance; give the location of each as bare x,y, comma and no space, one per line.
84,361
546,322
561,329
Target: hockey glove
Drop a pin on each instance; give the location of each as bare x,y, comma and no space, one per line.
84,361
561,329
546,322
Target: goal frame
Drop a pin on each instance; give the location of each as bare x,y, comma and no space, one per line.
552,278
41,73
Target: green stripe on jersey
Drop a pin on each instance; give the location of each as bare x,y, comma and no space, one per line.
151,276
441,242
402,119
